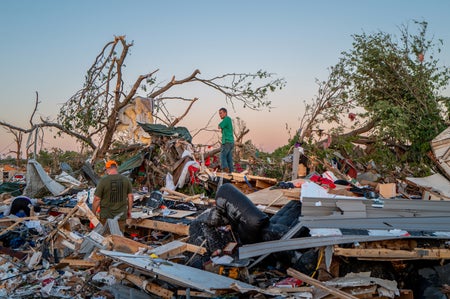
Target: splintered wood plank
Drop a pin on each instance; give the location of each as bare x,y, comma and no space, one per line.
124,244
293,193
180,213
84,210
176,228
261,184
195,249
311,281
142,283
195,294
77,263
266,196
175,248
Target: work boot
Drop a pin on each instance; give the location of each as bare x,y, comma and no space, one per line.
226,170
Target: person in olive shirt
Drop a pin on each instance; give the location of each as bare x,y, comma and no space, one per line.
113,195
226,151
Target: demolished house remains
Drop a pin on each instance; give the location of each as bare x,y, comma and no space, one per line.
321,235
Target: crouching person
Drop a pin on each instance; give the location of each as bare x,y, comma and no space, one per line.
22,206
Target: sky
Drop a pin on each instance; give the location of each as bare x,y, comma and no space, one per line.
47,47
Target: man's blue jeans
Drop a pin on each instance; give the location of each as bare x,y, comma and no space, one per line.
226,156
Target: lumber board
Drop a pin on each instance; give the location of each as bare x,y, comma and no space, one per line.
84,210
175,248
142,283
390,254
124,244
311,281
176,228
77,263
261,184
266,196
194,294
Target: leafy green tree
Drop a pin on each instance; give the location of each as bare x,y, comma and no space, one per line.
385,93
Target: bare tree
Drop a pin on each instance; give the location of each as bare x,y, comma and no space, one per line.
91,115
19,133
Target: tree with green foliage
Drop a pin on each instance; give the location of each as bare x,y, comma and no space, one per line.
385,94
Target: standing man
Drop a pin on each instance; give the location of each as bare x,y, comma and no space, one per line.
226,151
113,196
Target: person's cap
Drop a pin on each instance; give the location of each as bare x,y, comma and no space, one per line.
110,163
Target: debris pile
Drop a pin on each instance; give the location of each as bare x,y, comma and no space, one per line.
324,235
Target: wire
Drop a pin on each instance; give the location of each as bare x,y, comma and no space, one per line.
319,261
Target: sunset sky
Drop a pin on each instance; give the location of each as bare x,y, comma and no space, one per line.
47,47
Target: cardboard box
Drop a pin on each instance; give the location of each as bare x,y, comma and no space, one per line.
388,190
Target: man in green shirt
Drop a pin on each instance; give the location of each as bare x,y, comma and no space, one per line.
226,151
113,195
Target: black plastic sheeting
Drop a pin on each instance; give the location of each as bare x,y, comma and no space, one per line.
432,279
245,218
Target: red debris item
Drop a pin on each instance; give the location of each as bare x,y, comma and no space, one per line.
91,225
323,181
352,116
192,170
54,213
420,56
289,282
298,184
47,281
208,161
349,168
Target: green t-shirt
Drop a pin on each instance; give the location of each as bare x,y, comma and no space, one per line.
227,130
113,191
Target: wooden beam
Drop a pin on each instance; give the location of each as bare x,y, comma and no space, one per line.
17,219
195,249
84,210
77,263
176,228
175,248
318,284
195,294
62,223
390,254
142,283
124,244
260,184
